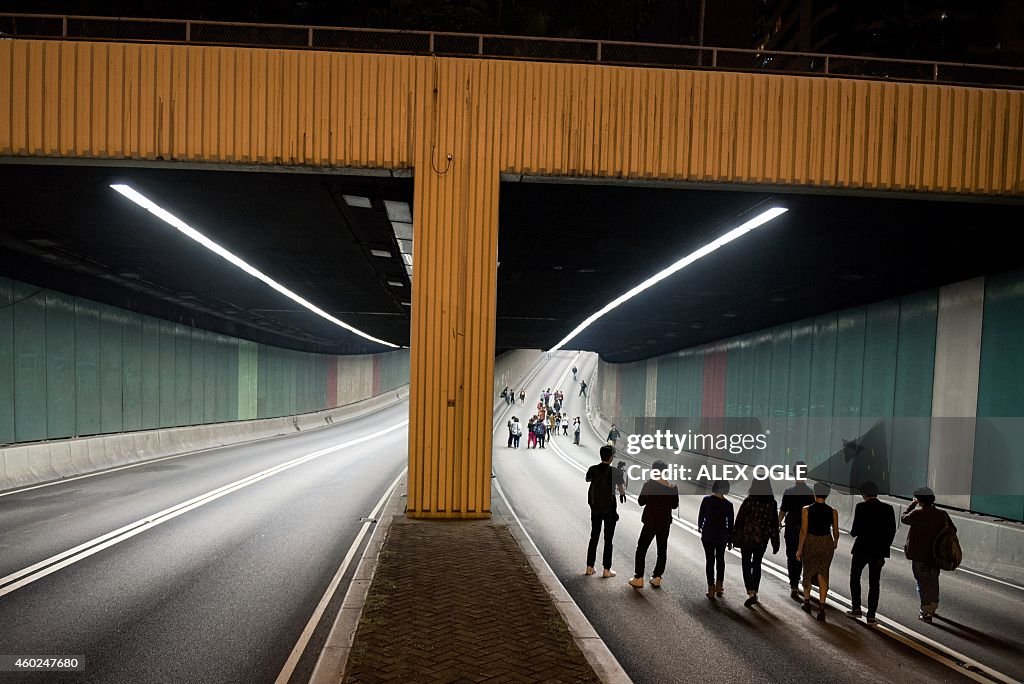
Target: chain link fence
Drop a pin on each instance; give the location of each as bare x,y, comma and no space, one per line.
502,47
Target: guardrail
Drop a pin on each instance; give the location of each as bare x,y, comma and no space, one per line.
290,36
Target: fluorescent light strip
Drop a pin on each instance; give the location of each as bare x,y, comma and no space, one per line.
191,232
750,225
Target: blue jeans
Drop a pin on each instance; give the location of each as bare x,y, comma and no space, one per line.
927,576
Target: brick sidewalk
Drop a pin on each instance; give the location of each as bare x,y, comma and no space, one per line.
458,602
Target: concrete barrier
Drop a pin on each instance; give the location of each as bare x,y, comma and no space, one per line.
36,463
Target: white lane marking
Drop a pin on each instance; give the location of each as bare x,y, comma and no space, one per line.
59,561
985,577
150,461
936,651
314,620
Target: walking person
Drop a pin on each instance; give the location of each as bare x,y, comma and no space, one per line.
517,431
583,388
604,481
576,426
659,498
873,529
715,523
926,523
757,524
613,435
565,425
531,435
510,437
574,373
522,397
819,537
791,515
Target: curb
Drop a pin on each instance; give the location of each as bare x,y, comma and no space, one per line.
333,659
590,643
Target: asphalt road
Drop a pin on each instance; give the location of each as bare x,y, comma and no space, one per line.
219,593
669,633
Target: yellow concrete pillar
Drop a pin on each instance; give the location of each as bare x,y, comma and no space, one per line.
455,219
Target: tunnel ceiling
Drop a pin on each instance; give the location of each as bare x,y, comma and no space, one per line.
565,250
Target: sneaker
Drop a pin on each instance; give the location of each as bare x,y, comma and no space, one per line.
856,613
636,582
806,606
590,570
795,594
655,581
871,619
925,617
751,600
821,614
608,573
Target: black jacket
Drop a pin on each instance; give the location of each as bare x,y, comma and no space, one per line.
658,501
873,529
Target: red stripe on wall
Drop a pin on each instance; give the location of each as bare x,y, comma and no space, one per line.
713,399
713,394
332,382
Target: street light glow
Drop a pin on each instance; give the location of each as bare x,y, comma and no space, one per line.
171,219
743,229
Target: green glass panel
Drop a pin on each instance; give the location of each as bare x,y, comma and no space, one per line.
998,480
197,376
822,389
87,367
132,370
29,362
912,401
6,362
111,370
151,372
60,365
168,358
848,386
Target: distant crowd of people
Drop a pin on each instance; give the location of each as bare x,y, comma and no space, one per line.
547,422
811,534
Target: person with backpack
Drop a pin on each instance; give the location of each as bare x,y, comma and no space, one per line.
517,431
819,538
604,481
540,428
715,523
757,523
531,435
574,373
659,498
930,539
873,529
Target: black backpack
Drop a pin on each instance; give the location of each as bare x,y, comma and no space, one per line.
601,496
946,548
